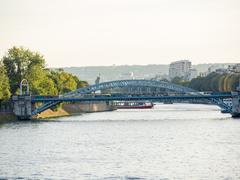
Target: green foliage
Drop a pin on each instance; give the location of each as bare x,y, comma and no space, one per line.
4,84
180,81
216,82
40,83
65,82
22,63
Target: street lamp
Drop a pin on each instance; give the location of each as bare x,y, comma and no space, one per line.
24,83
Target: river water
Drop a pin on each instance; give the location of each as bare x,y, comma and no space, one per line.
177,141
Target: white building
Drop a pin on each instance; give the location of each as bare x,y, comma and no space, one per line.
215,67
180,69
234,68
129,75
193,74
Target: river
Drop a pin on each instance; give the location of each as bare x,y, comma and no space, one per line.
176,141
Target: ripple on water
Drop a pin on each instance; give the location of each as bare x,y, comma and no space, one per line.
176,141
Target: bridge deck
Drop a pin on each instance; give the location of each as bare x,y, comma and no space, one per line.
130,98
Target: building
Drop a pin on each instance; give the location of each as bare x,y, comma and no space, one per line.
234,68
193,74
217,67
203,74
180,69
128,75
221,71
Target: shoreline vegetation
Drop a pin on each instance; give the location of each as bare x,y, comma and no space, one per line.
21,63
216,82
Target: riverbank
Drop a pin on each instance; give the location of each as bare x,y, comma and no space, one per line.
64,110
6,117
76,109
52,114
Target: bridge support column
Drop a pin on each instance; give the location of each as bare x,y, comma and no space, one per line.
22,107
236,102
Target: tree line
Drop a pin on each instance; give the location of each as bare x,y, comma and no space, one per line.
20,63
212,82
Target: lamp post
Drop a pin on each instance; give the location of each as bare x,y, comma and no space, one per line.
24,83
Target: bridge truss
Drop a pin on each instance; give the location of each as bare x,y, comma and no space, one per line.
78,95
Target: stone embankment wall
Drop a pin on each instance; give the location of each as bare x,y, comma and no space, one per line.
68,109
5,116
6,113
77,108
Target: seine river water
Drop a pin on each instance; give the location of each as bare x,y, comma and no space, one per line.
178,141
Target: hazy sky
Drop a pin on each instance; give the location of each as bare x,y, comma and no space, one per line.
106,32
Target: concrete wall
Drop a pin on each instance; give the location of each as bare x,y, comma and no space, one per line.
86,107
7,116
69,109
6,112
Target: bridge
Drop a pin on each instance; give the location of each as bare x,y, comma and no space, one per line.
131,98
181,93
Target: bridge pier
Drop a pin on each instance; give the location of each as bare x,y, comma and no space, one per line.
22,107
235,104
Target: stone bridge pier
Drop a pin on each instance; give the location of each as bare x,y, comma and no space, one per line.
236,103
22,107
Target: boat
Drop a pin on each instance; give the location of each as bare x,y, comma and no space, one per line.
133,104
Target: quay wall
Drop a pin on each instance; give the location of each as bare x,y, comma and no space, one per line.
7,116
68,109
6,113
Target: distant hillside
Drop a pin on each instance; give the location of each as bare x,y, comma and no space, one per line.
109,73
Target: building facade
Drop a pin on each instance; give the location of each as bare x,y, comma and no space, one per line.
234,68
193,74
180,69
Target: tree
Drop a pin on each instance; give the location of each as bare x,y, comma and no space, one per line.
21,63
4,84
216,82
66,82
80,83
40,83
180,81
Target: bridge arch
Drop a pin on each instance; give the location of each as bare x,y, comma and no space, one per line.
130,83
142,83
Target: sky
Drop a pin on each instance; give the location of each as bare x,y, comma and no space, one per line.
123,32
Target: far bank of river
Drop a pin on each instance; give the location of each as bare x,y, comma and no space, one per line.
65,110
76,109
